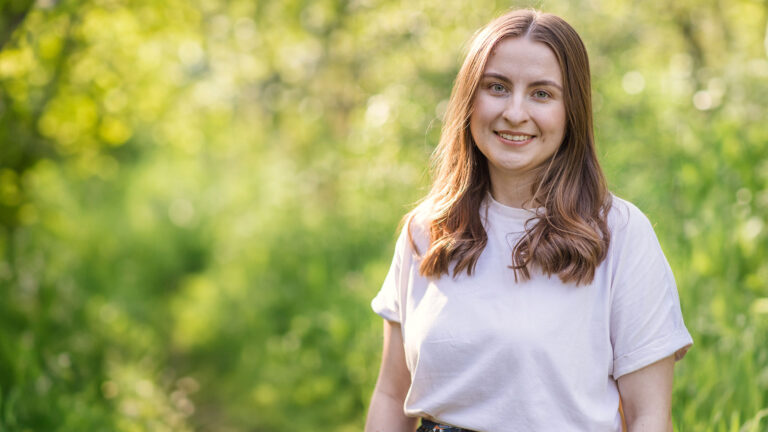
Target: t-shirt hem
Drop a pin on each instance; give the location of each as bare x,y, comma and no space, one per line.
677,343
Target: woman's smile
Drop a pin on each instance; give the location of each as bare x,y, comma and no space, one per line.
514,138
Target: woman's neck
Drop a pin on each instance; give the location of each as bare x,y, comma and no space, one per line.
513,191
518,195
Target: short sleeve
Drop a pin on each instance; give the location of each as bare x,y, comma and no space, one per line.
387,302
646,320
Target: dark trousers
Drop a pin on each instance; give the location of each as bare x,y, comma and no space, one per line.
430,426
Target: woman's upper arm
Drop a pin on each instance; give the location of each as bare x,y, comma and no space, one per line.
646,396
386,411
394,377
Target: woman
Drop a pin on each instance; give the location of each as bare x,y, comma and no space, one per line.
523,296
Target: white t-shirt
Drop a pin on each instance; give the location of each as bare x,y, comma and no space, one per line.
489,354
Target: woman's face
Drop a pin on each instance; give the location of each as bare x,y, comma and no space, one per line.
518,121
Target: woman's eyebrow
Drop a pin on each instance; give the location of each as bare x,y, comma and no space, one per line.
498,76
544,82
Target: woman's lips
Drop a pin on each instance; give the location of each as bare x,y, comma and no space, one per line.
514,138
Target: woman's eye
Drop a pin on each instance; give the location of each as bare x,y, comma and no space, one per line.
497,88
541,94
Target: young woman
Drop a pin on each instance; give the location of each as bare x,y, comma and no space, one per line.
523,296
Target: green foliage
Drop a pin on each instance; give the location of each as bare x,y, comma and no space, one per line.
198,199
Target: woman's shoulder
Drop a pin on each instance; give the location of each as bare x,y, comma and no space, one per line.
626,221
414,235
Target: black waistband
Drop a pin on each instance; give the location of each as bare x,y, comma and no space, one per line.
430,426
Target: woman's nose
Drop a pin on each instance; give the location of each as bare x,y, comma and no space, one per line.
515,111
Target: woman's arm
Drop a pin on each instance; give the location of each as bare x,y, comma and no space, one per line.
646,396
386,411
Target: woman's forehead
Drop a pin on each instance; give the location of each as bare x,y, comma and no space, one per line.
523,58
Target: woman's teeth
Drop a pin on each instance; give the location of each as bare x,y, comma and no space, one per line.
515,137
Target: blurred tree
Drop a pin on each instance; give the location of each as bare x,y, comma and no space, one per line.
12,14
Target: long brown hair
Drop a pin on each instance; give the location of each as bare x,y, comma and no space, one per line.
570,236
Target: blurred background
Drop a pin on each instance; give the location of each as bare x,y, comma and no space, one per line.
198,199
